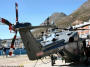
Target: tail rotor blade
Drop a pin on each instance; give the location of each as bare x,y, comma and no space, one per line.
16,5
12,45
5,21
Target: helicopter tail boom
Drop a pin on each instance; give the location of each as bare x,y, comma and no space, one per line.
32,46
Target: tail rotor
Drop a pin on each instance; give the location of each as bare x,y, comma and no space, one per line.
14,38
11,27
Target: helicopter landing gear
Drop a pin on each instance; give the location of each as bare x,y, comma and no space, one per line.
87,52
53,58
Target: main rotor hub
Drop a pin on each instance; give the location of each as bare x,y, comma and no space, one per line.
22,25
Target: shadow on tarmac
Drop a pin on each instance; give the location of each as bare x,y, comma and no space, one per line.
74,65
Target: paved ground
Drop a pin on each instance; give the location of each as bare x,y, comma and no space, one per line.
23,61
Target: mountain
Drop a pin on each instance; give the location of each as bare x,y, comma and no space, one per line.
62,20
81,14
54,17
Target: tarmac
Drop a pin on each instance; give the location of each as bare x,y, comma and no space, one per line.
23,61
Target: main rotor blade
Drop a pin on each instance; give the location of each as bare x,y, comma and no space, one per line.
62,28
16,5
71,29
5,21
12,45
81,25
47,26
81,29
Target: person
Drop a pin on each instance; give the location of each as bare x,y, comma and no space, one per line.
4,51
53,58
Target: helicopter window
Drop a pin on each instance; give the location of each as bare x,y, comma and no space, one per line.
71,39
57,34
54,39
53,29
69,33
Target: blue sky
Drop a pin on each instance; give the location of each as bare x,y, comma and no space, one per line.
33,11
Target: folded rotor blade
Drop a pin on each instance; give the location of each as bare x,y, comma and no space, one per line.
81,29
48,26
71,29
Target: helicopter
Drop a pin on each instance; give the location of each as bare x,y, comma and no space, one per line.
66,43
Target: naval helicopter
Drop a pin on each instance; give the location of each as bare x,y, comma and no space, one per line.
66,43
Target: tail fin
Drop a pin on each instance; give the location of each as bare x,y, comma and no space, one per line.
32,46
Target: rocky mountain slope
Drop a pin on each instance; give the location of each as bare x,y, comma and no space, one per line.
81,14
62,20
54,17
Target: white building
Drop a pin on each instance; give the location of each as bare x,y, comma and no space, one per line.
84,33
18,43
